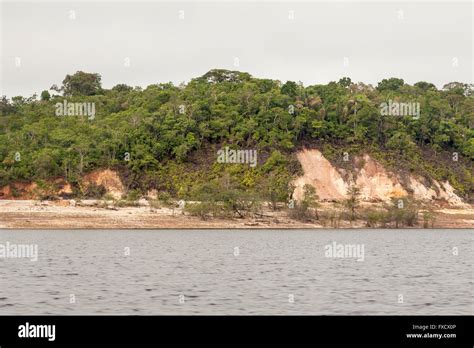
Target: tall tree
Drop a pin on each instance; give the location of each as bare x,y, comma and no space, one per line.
82,83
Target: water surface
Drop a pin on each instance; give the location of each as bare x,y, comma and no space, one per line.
241,272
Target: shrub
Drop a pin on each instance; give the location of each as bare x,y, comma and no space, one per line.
133,195
94,191
44,191
125,203
429,218
353,201
203,210
375,218
403,212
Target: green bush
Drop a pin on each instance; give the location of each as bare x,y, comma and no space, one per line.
403,212
204,210
94,191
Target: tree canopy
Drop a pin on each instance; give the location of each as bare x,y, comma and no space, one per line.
170,132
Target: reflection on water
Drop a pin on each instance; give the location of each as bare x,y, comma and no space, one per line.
239,272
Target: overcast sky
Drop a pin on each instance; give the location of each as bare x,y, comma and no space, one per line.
314,42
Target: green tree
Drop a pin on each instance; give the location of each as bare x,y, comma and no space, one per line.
345,82
311,199
391,84
425,86
82,83
45,95
352,202
290,88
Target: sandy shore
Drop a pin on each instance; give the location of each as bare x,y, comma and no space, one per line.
61,215
56,214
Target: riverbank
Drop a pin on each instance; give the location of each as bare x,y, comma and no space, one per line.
64,214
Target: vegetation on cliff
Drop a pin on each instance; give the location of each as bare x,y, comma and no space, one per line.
166,137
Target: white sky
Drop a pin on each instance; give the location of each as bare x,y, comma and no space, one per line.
412,40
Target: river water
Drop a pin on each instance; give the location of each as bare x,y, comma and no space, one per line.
239,272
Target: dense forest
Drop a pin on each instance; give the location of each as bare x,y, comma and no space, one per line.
165,137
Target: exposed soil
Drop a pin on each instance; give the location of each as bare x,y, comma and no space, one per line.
321,174
107,178
66,214
375,182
